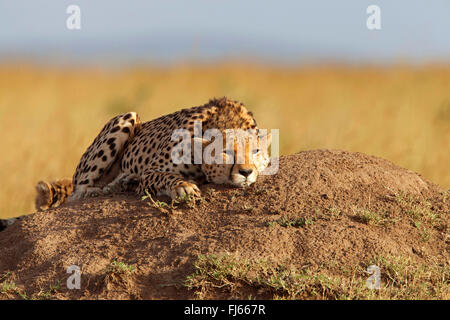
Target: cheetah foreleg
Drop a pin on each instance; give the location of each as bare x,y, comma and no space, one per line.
165,183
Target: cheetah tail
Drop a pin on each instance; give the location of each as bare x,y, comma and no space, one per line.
7,222
52,194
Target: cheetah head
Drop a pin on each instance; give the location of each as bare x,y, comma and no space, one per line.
242,161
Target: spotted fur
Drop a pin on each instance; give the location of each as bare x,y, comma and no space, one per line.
52,194
130,155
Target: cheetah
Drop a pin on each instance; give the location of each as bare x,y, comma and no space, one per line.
128,155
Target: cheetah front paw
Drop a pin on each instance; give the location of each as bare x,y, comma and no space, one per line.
184,189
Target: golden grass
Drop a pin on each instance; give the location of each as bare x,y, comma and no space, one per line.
49,116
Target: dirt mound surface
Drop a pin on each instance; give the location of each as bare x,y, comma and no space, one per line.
310,231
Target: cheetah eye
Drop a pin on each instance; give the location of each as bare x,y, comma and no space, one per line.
255,151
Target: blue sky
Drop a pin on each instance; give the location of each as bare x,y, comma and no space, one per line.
172,30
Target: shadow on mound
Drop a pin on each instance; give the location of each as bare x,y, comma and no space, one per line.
310,231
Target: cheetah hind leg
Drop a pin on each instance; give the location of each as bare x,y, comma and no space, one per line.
97,163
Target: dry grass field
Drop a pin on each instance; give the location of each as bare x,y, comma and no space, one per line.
50,115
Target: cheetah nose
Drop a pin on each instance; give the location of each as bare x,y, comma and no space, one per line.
245,172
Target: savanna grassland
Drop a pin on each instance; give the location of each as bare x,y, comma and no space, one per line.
50,115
